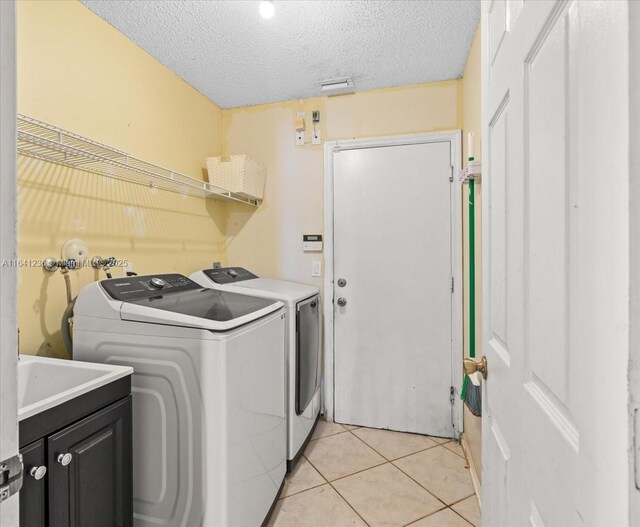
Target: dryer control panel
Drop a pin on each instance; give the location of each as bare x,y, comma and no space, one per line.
139,287
229,275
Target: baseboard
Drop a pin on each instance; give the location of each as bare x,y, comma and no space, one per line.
472,469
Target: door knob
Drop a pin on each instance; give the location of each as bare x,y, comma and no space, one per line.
64,459
38,472
472,366
342,301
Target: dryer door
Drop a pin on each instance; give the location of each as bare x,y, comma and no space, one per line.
307,351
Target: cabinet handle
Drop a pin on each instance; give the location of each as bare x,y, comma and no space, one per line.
38,473
64,459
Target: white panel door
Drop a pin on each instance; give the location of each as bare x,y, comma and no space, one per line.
555,191
392,246
8,324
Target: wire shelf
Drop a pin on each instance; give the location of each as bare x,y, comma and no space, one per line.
46,142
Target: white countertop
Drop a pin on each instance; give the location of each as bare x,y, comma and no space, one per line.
45,382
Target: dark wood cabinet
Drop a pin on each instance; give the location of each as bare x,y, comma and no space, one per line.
94,488
33,492
86,448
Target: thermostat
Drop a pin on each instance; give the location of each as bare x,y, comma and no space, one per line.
312,242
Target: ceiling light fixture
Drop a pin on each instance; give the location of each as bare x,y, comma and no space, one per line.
267,9
341,85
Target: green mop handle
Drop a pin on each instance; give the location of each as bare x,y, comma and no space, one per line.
472,271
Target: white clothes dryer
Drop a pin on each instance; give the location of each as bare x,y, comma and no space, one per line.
304,368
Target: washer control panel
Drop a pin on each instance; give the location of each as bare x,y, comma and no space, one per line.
137,287
229,275
156,282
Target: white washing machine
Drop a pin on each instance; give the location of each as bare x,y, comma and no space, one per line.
304,372
209,421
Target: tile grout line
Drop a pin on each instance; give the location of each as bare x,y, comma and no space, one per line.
328,435
438,511
387,461
347,475
427,516
336,490
425,488
368,445
421,486
412,479
350,506
395,459
460,501
324,480
461,516
305,490
460,444
390,462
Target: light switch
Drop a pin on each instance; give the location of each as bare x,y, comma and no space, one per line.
316,268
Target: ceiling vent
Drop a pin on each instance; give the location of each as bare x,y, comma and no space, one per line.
340,86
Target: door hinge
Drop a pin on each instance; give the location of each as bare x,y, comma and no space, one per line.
452,284
451,175
10,477
452,393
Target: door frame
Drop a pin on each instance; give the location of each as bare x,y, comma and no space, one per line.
330,148
8,278
634,305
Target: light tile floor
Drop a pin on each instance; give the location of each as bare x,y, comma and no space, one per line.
356,477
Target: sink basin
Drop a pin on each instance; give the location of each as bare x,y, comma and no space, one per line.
44,383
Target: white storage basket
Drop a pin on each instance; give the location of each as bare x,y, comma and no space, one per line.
240,174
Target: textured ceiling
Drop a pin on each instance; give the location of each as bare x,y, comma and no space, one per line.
227,51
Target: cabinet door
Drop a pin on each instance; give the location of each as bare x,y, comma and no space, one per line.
32,493
93,486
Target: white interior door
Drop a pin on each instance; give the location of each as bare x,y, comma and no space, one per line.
555,203
8,324
392,247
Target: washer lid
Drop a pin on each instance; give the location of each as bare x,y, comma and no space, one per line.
177,301
288,292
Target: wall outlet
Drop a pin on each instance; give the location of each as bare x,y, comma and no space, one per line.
316,268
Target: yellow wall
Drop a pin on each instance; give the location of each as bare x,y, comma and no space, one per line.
78,72
471,105
269,240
